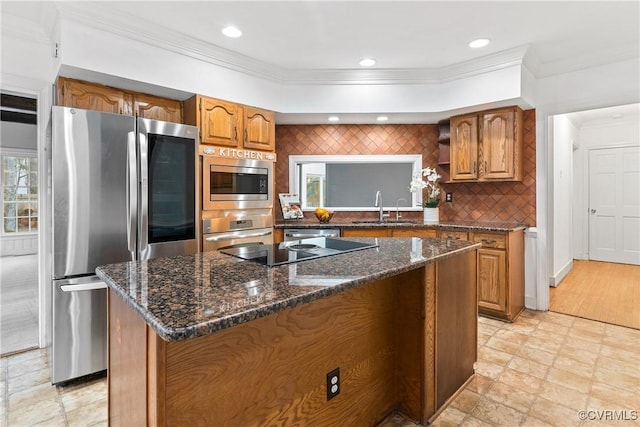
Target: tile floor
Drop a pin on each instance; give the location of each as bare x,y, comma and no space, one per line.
541,370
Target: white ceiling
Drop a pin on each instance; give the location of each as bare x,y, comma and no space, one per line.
313,38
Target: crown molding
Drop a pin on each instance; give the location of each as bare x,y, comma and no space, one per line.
119,23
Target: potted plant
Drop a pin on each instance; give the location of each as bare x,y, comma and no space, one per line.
428,178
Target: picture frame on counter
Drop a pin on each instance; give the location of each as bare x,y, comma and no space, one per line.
290,204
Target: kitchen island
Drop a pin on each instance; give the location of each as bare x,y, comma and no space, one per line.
210,339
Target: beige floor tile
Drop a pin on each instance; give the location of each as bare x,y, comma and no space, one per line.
492,355
627,334
536,355
618,365
479,384
18,369
502,345
520,380
511,336
466,401
515,398
589,325
59,421
617,379
587,335
582,344
520,328
577,354
532,421
488,369
606,414
543,344
620,354
565,396
573,366
496,413
489,321
530,367
32,411
553,413
29,380
474,422
569,380
553,327
486,328
449,417
549,336
85,394
622,343
608,393
88,414
560,319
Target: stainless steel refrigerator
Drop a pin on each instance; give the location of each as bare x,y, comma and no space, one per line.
123,188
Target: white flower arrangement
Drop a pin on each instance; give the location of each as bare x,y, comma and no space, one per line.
431,183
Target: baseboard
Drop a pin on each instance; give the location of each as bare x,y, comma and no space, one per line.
555,280
531,302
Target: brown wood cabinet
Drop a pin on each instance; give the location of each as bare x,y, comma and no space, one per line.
453,234
413,232
153,107
229,124
365,232
487,146
93,96
500,273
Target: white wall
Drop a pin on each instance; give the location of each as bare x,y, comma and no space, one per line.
565,134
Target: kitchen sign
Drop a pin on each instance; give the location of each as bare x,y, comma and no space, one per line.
236,153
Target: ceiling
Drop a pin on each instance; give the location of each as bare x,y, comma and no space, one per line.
307,40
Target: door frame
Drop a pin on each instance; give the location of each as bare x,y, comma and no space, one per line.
42,90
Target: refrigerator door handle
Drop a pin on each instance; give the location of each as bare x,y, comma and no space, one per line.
132,184
91,286
144,192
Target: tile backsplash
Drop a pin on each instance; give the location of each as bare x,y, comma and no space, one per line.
503,201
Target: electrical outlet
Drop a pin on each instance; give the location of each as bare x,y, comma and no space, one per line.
333,384
448,197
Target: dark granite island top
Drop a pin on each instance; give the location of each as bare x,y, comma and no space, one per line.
192,296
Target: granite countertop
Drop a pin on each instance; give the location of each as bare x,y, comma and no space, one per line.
352,223
185,297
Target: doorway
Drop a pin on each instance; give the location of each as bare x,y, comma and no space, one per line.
19,199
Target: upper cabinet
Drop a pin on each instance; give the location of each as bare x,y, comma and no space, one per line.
93,96
231,125
153,107
259,129
487,146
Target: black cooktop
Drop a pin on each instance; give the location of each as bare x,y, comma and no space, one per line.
297,250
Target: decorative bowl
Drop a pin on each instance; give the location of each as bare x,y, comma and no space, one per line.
324,217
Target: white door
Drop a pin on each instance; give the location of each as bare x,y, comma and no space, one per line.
614,205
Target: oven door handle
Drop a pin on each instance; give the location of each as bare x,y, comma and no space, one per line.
309,235
236,236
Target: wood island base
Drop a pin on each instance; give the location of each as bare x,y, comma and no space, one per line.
404,343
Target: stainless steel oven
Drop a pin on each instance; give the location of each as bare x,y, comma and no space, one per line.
231,183
237,230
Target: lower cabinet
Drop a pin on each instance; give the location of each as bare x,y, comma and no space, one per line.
365,232
500,273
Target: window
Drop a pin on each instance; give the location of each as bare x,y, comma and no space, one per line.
19,193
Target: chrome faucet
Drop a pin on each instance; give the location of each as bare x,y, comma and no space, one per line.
378,204
398,216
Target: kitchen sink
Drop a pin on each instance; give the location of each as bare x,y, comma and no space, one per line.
383,222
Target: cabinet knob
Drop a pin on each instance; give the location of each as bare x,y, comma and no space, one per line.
593,211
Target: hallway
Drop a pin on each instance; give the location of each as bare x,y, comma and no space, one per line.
602,291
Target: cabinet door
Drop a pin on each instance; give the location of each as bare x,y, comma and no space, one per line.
88,96
464,147
492,285
413,232
453,235
497,145
152,107
259,129
365,232
220,122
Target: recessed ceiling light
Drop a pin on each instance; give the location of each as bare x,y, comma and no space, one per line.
333,118
478,43
367,62
382,118
231,31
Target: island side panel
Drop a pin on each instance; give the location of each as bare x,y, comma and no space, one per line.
272,370
127,365
456,324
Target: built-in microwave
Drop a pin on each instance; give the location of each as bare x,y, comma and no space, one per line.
232,183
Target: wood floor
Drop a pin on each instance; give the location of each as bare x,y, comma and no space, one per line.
601,291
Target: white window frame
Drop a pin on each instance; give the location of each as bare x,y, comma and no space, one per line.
14,152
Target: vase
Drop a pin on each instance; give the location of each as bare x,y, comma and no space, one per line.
431,216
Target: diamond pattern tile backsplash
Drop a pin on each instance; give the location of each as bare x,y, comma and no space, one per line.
503,201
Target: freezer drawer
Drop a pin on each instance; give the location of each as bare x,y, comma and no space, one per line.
79,340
